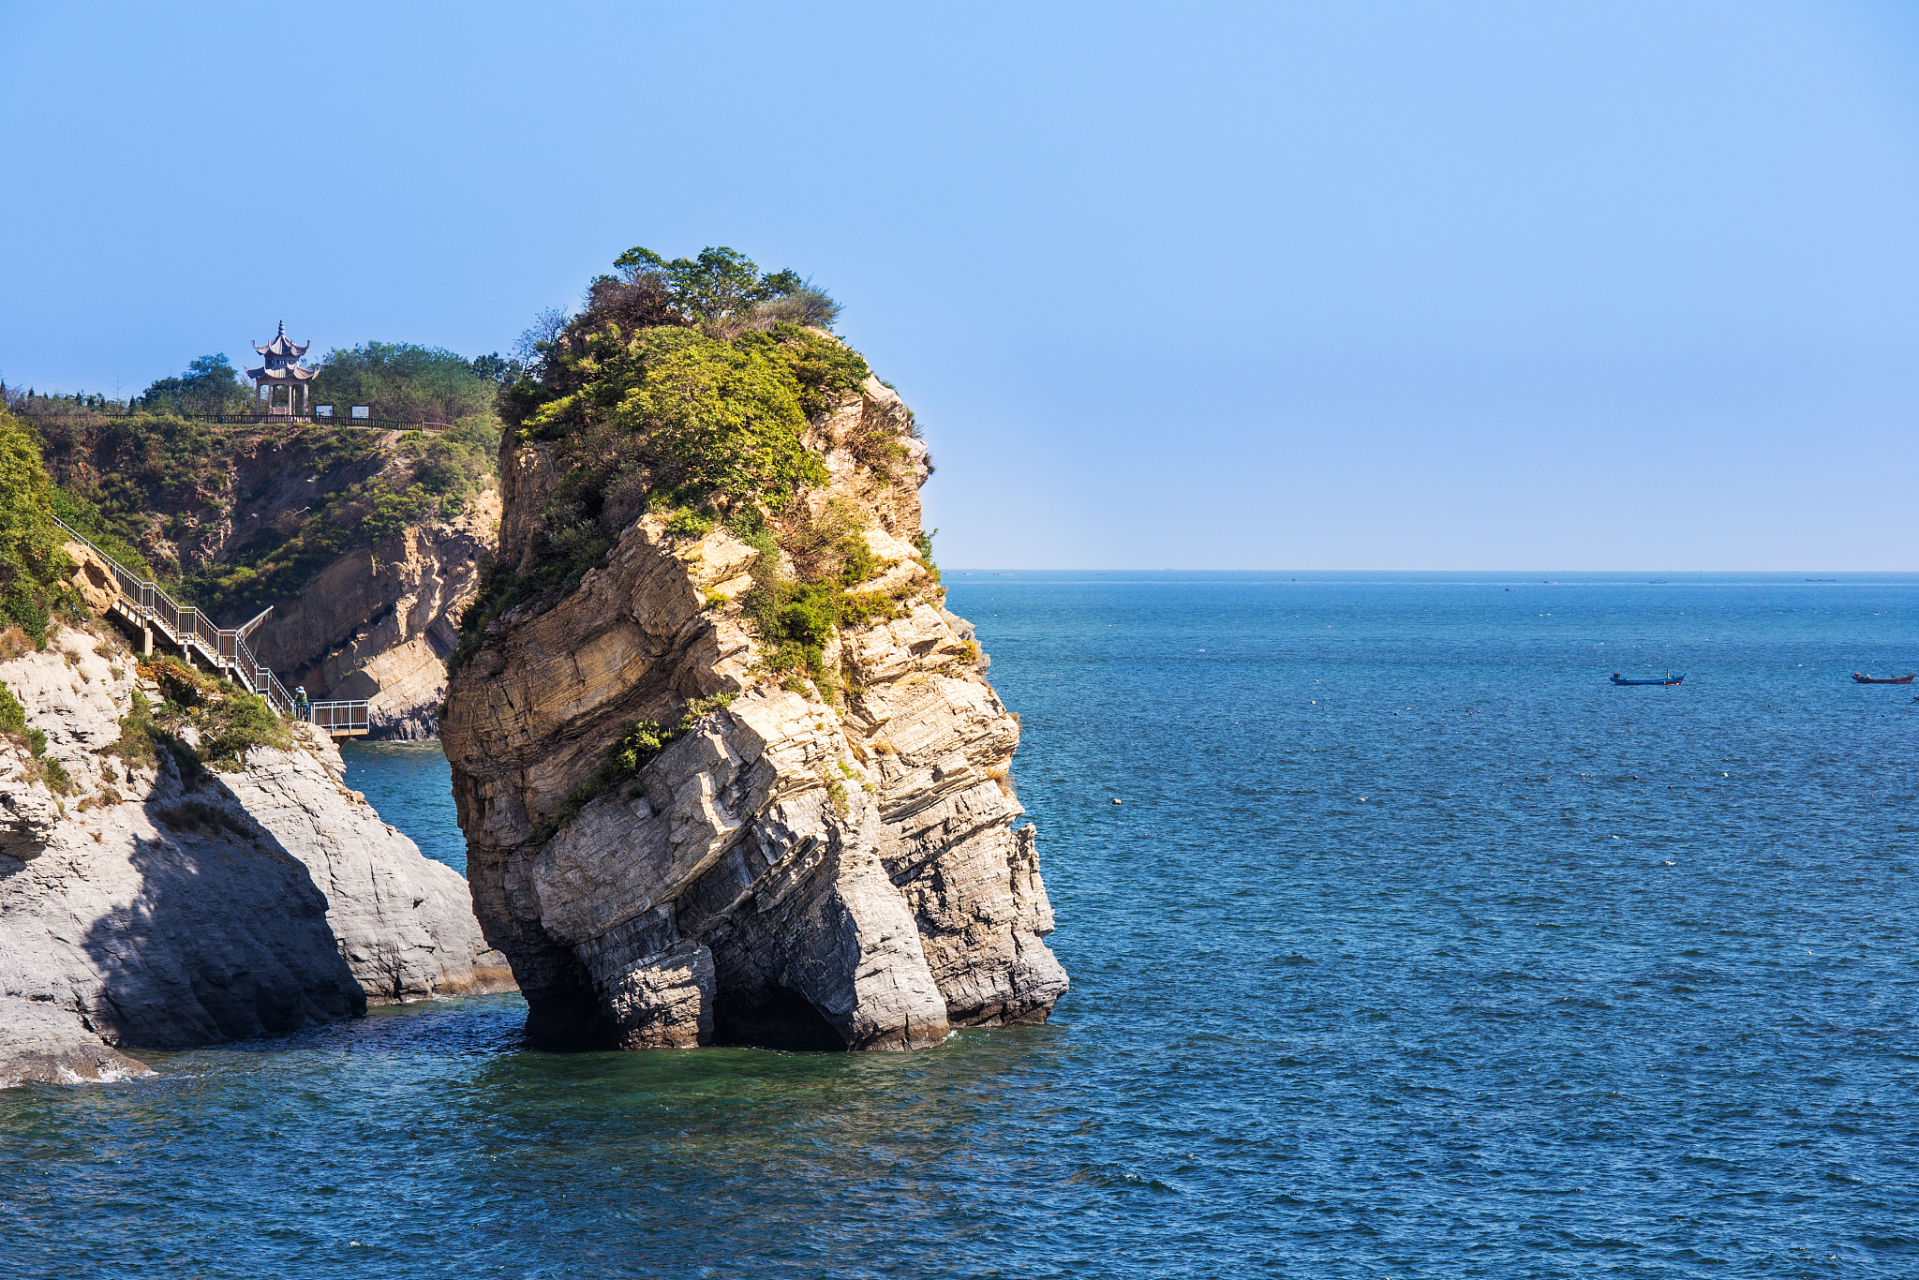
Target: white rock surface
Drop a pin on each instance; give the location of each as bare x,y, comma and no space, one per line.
158,912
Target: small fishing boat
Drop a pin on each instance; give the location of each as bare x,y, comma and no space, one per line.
1882,679
1670,679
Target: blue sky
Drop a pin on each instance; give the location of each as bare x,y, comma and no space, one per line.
1413,285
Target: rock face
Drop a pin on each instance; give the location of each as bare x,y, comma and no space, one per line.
43,1044
378,624
142,907
794,870
241,504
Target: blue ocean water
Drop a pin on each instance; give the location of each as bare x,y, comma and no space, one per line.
410,784
1414,949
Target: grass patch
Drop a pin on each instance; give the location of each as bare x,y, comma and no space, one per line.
229,721
197,816
137,743
637,748
41,767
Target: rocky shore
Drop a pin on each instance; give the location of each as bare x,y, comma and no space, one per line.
147,901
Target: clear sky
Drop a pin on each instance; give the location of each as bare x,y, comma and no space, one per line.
1277,285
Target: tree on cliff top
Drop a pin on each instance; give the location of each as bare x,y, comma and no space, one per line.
718,284
33,566
722,290
410,383
210,385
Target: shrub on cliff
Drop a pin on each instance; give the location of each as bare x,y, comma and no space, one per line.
639,746
674,409
33,567
228,720
797,616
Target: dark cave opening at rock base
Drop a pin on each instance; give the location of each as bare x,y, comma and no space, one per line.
785,1019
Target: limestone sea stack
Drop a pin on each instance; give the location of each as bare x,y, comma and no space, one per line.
736,776
150,900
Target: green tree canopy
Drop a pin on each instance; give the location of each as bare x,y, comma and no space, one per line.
721,284
210,385
410,383
33,568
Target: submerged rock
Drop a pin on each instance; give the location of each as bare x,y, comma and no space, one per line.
801,867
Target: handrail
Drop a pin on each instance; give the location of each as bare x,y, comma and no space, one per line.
341,717
313,420
184,625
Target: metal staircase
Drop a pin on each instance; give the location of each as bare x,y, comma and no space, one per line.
151,609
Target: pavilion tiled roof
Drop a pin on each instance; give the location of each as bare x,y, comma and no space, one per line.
283,346
285,373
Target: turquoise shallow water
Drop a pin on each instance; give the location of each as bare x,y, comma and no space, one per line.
1379,970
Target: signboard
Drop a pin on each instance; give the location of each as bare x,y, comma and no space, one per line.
361,411
323,411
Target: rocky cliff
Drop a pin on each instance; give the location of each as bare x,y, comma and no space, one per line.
682,829
147,900
379,622
368,544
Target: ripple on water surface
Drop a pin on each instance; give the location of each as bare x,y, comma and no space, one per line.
1416,949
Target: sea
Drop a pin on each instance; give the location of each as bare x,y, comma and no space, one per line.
1403,944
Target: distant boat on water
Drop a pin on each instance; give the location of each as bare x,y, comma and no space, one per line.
1882,679
1670,679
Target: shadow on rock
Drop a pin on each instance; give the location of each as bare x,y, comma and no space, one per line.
225,936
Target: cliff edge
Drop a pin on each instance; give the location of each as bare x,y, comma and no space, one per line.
737,776
367,543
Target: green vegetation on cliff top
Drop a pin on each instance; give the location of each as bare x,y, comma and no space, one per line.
687,386
684,385
236,516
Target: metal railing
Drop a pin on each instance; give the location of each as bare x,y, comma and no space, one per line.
314,420
340,717
145,603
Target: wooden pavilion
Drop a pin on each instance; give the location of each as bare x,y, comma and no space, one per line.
283,369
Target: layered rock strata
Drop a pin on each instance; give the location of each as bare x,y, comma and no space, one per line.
796,869
141,907
378,624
